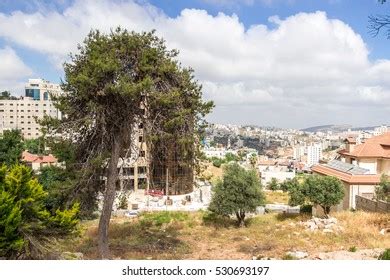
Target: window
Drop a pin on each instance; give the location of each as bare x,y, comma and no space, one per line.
141,126
142,153
45,96
142,170
140,139
34,93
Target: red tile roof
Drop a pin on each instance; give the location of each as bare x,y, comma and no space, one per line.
375,147
32,158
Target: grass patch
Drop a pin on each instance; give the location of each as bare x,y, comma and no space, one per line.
201,235
272,197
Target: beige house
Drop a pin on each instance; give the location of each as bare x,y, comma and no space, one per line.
360,167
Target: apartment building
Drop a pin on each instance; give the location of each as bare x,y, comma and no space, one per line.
21,113
314,154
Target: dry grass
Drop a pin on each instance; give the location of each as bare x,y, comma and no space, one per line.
187,236
276,197
211,173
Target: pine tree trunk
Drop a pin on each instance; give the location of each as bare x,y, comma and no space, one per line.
109,197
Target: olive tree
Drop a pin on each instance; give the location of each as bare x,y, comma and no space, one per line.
325,191
238,193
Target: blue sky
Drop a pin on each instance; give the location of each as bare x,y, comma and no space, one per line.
36,36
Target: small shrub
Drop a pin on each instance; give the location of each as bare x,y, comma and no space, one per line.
385,255
123,202
306,209
352,249
288,257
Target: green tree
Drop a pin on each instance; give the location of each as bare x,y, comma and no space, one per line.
5,95
325,191
238,193
11,147
273,185
382,192
114,82
35,146
25,223
230,157
290,184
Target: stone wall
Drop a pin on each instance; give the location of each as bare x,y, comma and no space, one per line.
366,204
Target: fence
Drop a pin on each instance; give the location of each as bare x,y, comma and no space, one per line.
366,204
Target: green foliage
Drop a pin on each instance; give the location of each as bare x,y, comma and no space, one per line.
237,193
230,157
325,191
25,223
58,183
352,249
11,147
217,162
289,184
123,202
382,192
306,209
163,217
385,255
35,146
273,185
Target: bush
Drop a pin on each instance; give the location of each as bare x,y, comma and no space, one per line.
385,255
25,223
217,162
273,185
352,249
123,202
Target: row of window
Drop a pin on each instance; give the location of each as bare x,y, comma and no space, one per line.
28,111
129,171
17,104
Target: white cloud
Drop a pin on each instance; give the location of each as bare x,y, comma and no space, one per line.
12,71
307,64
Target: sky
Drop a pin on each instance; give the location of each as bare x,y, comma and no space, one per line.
283,63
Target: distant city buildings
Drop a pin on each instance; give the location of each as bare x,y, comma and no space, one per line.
21,113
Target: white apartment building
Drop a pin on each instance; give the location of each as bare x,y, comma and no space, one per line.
314,154
380,130
21,113
299,152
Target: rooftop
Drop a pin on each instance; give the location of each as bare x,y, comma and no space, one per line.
376,147
346,172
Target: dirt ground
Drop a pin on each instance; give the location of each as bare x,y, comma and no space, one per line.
197,235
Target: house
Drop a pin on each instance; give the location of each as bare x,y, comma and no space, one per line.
36,162
360,167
